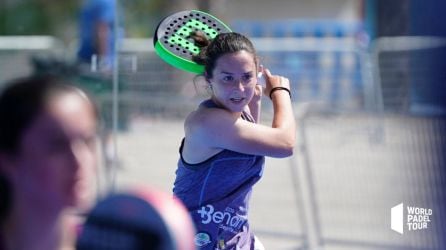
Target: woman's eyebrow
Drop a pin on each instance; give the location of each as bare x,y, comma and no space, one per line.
229,73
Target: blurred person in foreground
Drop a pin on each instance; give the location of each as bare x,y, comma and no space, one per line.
223,152
141,218
47,162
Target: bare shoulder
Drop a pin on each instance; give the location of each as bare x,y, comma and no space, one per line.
199,128
208,120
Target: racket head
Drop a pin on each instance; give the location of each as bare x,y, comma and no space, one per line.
173,44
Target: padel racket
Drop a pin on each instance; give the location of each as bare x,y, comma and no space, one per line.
173,44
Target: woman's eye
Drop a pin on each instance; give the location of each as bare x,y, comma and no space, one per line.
247,78
228,78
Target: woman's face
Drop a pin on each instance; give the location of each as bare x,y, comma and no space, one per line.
56,160
233,80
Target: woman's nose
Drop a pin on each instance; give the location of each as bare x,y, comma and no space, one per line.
75,155
239,85
79,153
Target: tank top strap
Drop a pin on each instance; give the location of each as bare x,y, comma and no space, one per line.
247,117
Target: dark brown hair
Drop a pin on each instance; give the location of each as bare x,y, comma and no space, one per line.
211,50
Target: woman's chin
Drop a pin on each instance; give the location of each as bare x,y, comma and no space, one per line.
236,106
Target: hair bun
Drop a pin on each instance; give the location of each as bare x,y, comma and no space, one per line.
200,39
202,42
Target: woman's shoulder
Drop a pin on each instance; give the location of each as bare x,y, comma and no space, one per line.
205,117
198,130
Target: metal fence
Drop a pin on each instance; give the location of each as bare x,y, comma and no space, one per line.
353,167
16,52
410,74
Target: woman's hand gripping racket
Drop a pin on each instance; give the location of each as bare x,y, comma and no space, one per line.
173,44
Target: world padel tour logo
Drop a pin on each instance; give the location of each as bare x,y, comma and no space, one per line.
417,218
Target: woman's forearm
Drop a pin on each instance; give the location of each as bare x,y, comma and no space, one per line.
283,116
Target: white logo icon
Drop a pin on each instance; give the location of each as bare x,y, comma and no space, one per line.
417,218
397,218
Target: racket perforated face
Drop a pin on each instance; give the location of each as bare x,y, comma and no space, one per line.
172,42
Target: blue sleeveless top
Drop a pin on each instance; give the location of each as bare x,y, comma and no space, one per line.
216,192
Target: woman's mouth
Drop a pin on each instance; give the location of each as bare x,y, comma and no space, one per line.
237,100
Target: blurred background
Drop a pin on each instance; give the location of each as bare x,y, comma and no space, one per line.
369,93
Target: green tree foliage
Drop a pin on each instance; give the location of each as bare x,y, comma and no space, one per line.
36,17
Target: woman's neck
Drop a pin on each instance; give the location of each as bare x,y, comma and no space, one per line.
32,227
220,105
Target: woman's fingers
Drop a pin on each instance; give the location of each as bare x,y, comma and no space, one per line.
267,72
274,81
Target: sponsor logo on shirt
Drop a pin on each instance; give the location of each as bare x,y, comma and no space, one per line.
227,220
202,239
